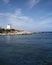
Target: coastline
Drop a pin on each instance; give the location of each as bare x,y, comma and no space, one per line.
17,33
23,33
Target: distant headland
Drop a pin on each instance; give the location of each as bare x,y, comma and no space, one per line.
10,31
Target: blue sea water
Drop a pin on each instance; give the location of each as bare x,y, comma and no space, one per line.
33,49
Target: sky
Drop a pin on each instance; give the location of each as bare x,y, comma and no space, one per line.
29,15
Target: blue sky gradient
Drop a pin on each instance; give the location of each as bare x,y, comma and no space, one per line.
30,15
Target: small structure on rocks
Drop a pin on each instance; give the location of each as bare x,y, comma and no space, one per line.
8,26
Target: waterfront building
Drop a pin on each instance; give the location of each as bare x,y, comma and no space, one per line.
9,26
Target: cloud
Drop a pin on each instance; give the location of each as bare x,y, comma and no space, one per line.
2,15
21,21
6,1
44,24
46,16
32,3
18,19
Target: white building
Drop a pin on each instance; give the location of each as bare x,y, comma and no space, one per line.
9,26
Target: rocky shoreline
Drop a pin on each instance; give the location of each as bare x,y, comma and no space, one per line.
13,32
23,33
17,33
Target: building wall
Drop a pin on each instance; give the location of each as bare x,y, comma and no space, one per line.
8,26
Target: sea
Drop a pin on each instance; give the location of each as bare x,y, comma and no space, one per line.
35,49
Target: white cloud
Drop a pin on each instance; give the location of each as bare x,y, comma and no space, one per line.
46,16
32,3
6,1
1,16
18,18
20,21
